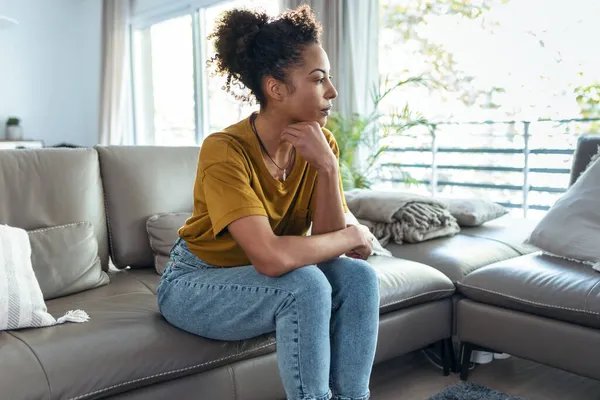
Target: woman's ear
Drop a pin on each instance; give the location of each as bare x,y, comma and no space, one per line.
275,89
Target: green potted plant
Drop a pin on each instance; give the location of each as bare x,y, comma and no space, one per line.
364,133
13,129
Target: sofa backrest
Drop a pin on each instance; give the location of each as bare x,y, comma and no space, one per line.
49,187
140,181
587,146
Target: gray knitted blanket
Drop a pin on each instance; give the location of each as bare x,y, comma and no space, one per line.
401,217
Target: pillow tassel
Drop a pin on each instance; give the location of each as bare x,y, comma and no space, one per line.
77,316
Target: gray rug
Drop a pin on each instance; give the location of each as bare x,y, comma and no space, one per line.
471,391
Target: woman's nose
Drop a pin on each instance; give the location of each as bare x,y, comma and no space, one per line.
332,92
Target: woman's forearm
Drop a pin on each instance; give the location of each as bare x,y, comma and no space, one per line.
286,253
328,215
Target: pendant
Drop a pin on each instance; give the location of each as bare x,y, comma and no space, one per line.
284,175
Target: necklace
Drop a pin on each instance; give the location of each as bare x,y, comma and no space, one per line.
262,146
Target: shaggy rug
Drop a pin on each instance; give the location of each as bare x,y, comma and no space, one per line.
471,391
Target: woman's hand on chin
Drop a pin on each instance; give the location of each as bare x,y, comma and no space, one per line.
308,139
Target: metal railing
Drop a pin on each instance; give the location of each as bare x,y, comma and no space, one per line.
526,150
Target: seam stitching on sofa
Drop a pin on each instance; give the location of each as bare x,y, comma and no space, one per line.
38,360
171,372
529,301
590,292
231,375
40,230
111,250
510,246
143,283
418,295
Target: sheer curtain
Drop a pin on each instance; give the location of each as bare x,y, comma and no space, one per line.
116,101
350,38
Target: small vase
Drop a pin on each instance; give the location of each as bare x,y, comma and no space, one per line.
14,132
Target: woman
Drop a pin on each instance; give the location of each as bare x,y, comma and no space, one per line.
243,266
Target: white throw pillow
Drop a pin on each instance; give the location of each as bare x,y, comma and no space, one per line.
571,228
21,301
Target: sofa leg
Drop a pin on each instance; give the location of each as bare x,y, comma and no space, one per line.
465,359
444,356
450,346
448,356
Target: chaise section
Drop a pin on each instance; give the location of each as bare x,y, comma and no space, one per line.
538,307
540,285
559,344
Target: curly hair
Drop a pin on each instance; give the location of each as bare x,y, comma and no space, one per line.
250,45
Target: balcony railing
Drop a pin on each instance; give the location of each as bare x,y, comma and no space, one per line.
519,164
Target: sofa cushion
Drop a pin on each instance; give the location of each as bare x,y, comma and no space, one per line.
508,230
49,187
125,325
405,283
163,233
65,259
25,378
474,211
539,284
140,181
571,228
472,248
402,283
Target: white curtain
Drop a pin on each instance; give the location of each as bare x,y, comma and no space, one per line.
351,40
116,100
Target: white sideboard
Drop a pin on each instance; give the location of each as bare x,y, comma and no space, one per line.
21,144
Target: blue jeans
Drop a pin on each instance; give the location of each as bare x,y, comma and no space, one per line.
325,317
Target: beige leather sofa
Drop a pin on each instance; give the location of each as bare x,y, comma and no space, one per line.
128,351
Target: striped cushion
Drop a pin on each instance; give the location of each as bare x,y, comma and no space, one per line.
21,300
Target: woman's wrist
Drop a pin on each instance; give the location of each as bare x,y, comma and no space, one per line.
356,236
328,165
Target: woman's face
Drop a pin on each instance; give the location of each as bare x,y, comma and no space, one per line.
309,89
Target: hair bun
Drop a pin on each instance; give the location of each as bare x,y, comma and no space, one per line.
235,32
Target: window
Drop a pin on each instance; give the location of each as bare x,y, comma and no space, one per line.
165,106
176,100
509,84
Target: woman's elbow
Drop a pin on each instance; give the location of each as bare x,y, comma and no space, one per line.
271,263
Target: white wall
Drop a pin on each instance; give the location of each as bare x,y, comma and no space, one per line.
50,69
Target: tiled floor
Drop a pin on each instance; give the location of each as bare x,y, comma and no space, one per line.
411,377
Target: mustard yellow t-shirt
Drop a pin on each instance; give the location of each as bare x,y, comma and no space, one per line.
233,181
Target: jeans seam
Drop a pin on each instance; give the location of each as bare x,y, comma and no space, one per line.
297,332
230,285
